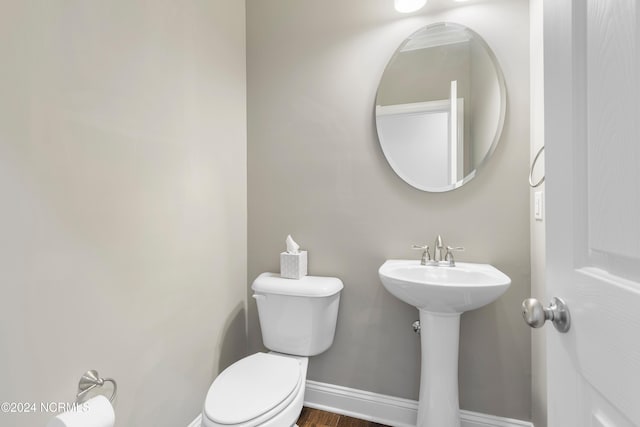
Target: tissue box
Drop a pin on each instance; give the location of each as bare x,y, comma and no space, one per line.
293,266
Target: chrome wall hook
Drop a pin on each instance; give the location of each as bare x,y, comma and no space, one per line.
89,381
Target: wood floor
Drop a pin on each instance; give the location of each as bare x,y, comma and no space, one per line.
316,418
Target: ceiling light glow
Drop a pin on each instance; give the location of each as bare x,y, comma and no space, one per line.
408,6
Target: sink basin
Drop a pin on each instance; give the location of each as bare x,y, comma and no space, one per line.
443,289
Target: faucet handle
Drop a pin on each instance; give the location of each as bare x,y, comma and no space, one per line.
448,256
426,256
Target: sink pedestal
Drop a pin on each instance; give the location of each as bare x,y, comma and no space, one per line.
439,338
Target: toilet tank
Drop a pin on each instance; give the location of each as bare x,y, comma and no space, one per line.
297,317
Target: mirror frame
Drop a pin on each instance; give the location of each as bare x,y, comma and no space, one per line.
501,119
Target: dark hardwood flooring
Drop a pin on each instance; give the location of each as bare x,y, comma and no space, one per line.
317,418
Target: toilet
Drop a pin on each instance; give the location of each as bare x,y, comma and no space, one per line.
298,320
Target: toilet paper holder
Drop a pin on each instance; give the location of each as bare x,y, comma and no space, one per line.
89,381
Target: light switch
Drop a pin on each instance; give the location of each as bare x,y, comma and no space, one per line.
538,198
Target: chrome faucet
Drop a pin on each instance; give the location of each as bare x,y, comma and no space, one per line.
437,259
437,249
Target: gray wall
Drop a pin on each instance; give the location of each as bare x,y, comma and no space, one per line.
316,171
123,198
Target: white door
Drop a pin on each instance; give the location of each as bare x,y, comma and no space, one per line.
417,146
592,138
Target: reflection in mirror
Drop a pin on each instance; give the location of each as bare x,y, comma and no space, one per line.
440,107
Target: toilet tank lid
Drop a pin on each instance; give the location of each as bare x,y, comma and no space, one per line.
308,286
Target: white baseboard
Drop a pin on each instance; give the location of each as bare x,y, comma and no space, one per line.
382,409
388,410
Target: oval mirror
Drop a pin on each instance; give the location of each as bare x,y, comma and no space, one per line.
440,107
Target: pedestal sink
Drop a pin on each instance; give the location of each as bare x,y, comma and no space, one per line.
441,294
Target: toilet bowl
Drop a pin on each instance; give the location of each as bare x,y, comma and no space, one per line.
264,389
298,319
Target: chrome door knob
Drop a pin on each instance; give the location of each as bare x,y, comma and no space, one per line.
536,315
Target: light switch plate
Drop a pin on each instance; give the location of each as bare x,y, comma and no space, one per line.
538,209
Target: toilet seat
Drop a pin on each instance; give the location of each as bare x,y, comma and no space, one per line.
253,390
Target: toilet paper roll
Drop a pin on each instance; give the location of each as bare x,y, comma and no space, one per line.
95,412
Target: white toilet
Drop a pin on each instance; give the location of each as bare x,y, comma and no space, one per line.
298,320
